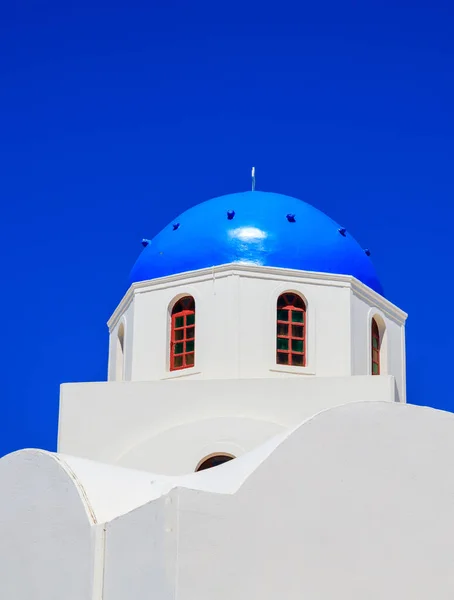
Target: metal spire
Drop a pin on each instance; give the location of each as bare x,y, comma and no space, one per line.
253,178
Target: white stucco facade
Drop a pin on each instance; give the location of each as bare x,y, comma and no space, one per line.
236,396
236,325
168,427
341,506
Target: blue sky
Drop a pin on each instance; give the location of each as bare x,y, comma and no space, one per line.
117,117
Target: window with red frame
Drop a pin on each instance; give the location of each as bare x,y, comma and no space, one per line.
375,348
291,330
182,334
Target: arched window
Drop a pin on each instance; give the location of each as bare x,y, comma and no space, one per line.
182,334
214,461
119,372
375,348
291,330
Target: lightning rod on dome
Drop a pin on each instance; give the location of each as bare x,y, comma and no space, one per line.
253,178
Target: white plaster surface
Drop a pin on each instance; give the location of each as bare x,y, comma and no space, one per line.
236,325
392,353
356,503
47,543
169,426
353,503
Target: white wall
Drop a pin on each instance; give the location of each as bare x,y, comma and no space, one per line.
354,503
214,330
141,551
127,319
54,511
392,333
169,426
343,508
236,324
328,326
47,544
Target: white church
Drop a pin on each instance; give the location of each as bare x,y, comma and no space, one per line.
252,440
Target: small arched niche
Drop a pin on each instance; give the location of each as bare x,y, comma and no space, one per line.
213,460
120,354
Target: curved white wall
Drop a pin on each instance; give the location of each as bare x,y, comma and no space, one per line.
354,504
180,449
168,427
46,543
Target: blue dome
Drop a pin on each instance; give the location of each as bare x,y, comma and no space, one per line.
255,228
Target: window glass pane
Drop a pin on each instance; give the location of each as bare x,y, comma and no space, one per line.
190,319
282,344
190,331
282,358
189,360
282,329
188,303
177,308
298,331
282,315
178,361
179,321
375,342
281,302
298,302
179,334
190,346
178,348
297,345
375,368
297,316
214,461
298,360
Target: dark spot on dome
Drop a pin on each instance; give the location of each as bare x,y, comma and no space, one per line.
367,251
261,214
145,242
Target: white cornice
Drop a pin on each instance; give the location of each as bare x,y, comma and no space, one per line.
255,271
373,298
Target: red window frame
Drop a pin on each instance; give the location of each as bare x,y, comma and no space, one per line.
375,348
182,334
291,323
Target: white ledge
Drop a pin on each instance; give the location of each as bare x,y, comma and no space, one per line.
292,370
180,373
257,271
